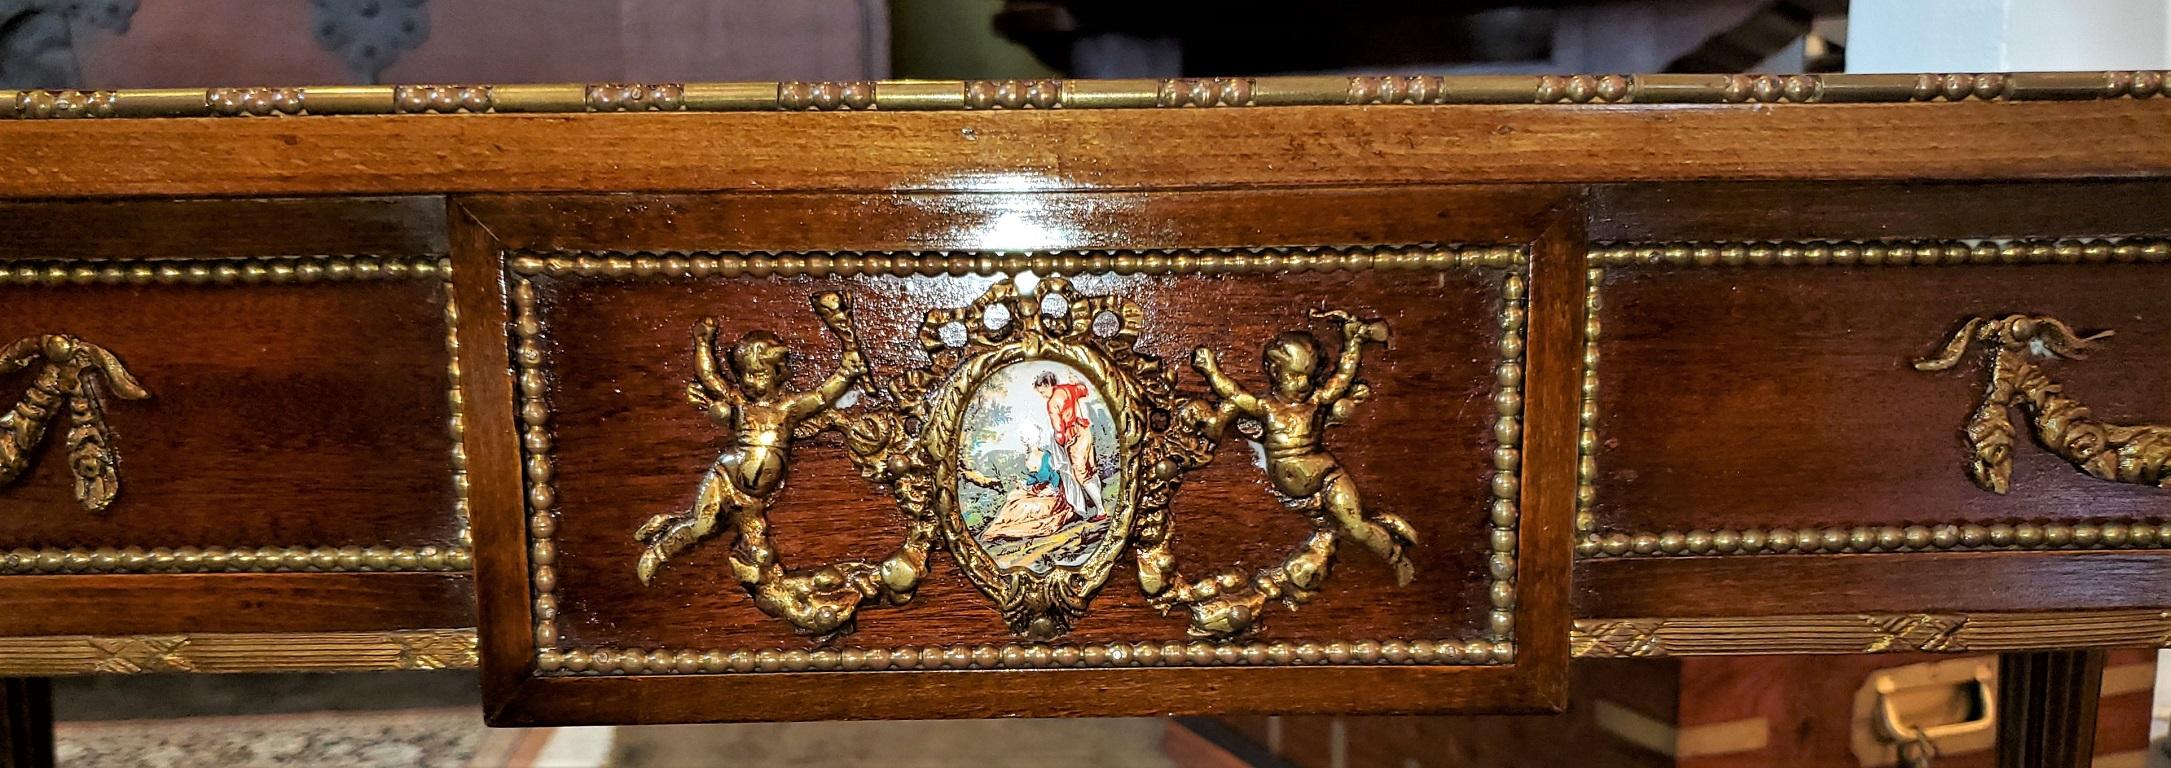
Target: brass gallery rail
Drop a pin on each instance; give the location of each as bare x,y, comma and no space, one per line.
1085,94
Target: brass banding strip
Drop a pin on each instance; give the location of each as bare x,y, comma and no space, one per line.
1181,93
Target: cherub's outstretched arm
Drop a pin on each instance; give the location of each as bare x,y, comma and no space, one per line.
836,313
849,368
711,390
1231,393
1354,334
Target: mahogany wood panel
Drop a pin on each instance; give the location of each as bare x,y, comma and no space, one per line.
1793,211
299,419
1010,221
214,228
624,447
280,415
1026,151
233,603
627,447
1759,398
1895,583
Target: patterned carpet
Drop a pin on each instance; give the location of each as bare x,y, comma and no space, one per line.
392,739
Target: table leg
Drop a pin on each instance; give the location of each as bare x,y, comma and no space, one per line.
26,722
2047,708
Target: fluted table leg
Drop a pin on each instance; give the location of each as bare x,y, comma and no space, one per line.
26,722
2047,708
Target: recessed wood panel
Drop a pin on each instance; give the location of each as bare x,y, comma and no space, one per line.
626,446
250,430
604,348
300,414
1766,400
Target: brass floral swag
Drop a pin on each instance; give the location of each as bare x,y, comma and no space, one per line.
2117,452
907,432
67,380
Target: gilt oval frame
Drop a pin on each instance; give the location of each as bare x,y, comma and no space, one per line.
1038,605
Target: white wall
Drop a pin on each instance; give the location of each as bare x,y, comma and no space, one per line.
2007,35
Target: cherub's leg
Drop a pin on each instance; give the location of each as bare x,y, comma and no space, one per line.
668,535
1384,533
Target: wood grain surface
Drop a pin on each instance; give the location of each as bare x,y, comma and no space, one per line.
280,415
627,446
1029,151
1735,398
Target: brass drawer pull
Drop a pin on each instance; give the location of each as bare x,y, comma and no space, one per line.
1910,715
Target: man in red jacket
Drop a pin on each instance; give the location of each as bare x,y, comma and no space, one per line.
1074,433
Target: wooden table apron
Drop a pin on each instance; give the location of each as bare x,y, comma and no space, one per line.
979,675
1724,443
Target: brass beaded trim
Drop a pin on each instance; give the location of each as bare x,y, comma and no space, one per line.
1507,456
1863,539
1853,633
1890,254
536,466
54,655
236,560
904,263
538,469
1586,470
1084,94
2030,535
287,270
265,271
614,661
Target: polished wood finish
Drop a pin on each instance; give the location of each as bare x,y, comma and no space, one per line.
1909,582
617,415
26,722
1727,398
232,602
1784,385
1797,211
1028,151
2047,708
313,415
627,446
297,432
216,228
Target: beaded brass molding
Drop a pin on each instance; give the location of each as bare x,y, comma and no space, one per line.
1848,539
268,559
615,661
1496,647
1868,633
1087,94
299,652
